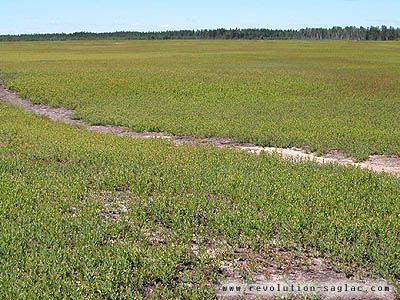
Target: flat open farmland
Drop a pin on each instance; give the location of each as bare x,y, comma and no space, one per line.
91,216
85,215
324,95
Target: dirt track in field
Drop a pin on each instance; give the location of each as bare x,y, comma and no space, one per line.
378,163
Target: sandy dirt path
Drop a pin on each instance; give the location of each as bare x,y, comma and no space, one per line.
378,163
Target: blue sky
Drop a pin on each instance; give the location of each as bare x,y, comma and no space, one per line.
42,16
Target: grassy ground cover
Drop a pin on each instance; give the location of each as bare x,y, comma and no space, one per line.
91,216
326,95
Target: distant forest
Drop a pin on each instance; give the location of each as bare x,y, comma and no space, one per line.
382,33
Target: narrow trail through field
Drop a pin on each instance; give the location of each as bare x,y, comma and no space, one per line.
377,163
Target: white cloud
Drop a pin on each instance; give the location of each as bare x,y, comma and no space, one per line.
167,26
54,22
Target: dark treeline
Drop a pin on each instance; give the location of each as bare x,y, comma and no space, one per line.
382,33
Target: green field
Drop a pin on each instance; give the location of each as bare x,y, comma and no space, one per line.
85,215
75,208
324,95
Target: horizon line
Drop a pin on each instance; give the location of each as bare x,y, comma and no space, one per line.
196,30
